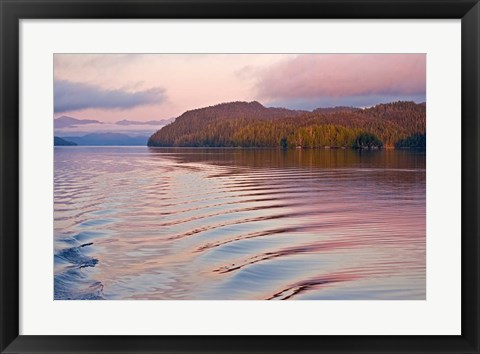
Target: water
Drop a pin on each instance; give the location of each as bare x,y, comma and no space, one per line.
140,223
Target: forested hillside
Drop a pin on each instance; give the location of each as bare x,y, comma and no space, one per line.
242,124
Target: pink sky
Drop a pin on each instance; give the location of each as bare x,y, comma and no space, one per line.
142,87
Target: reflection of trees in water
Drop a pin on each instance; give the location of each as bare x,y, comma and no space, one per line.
392,167
309,158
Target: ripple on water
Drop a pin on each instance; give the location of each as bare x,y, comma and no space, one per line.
138,223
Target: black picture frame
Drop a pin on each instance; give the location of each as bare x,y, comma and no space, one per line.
14,10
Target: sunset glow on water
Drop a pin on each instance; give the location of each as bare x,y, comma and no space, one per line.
220,224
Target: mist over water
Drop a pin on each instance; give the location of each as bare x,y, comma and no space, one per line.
221,224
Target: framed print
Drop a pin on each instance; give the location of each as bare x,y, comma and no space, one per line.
170,169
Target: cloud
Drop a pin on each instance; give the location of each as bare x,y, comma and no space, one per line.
343,75
97,61
81,130
245,72
75,96
361,101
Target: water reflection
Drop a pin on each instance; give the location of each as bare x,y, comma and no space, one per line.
139,223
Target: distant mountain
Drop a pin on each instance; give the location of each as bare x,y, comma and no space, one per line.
66,122
57,141
250,124
108,139
149,122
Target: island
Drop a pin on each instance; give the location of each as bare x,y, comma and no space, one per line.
397,125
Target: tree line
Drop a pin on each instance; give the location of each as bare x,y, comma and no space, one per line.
242,124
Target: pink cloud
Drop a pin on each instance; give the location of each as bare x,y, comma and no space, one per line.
337,75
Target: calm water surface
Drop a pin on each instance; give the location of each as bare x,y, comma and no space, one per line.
140,223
